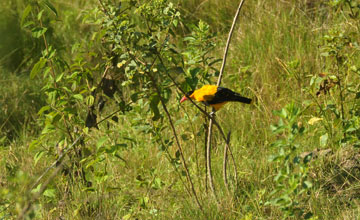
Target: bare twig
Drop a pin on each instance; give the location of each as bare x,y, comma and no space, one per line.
228,42
208,158
227,146
57,163
176,139
225,161
205,153
206,114
29,205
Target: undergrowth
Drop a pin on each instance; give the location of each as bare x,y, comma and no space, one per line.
92,128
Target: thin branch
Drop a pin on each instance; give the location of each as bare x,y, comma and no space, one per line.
208,159
228,42
193,102
175,167
205,113
176,139
225,162
205,153
29,204
52,71
227,146
55,162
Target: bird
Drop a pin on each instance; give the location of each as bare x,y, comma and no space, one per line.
215,96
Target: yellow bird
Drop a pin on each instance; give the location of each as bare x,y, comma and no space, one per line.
215,96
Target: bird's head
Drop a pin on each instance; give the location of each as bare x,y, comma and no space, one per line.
185,98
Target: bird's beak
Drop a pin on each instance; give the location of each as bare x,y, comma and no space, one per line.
183,99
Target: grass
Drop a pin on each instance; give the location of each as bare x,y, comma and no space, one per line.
141,183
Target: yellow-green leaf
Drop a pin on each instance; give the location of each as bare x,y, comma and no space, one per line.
37,67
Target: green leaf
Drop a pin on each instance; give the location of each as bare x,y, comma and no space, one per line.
309,215
296,160
307,184
175,22
127,216
37,189
58,78
37,32
115,148
50,6
37,67
189,39
48,129
176,70
39,15
184,137
28,24
33,144
90,100
50,193
38,156
323,140
177,154
43,109
25,13
134,97
78,97
101,142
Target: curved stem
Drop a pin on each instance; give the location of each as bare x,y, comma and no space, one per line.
227,146
176,139
208,160
228,42
225,162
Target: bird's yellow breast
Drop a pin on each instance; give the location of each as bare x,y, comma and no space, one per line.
218,105
205,93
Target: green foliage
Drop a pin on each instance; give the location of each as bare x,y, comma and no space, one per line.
292,178
337,85
88,80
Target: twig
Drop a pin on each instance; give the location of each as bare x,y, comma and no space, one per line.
176,139
228,42
205,113
342,98
227,147
52,72
55,162
225,162
205,153
208,159
29,205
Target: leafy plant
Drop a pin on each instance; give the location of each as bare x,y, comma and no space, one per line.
335,90
292,181
141,61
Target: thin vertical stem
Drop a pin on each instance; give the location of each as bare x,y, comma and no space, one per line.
225,162
228,42
208,160
227,147
176,140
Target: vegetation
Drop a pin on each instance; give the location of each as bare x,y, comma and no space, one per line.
91,126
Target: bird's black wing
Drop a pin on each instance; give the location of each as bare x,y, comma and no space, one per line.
222,95
226,95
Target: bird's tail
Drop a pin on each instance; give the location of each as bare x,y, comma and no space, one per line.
238,98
